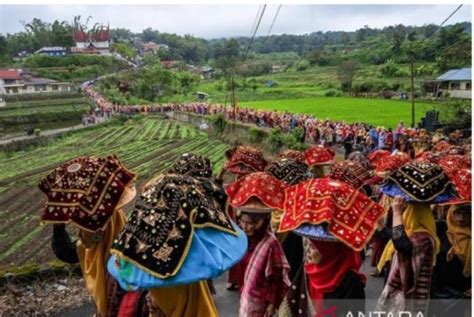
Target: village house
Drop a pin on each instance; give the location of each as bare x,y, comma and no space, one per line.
207,72
276,68
153,48
456,83
52,51
92,43
16,81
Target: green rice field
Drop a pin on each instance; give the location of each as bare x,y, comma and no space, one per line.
378,112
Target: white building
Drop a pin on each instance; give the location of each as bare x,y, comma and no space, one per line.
52,51
98,42
15,82
456,83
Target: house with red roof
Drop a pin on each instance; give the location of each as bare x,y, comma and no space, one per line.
18,81
97,42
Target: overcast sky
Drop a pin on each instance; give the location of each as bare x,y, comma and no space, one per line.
212,21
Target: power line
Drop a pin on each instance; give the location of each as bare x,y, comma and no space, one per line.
445,20
412,66
254,33
274,19
255,21
449,17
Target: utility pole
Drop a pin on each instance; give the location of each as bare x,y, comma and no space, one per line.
233,97
412,95
412,67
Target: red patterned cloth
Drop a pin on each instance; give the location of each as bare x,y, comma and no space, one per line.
244,160
268,189
351,173
453,163
266,278
430,157
462,180
319,155
392,162
84,191
293,154
351,215
377,156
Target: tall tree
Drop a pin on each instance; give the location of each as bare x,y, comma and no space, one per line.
3,46
346,74
399,35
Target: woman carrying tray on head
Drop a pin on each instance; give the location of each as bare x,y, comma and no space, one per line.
265,279
327,212
177,237
241,160
414,243
90,192
452,273
290,172
317,157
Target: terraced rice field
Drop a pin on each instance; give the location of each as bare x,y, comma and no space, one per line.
18,115
147,147
37,106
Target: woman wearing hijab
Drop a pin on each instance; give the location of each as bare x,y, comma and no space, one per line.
241,160
414,244
265,279
317,158
291,172
412,251
98,215
452,273
326,212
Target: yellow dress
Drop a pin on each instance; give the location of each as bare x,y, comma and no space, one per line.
93,261
192,300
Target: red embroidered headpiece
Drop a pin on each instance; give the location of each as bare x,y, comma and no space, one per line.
260,185
392,162
351,173
453,163
462,180
85,191
378,156
319,155
244,160
351,216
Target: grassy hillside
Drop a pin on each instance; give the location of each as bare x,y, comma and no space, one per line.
313,82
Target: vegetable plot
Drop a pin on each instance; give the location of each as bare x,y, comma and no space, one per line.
147,147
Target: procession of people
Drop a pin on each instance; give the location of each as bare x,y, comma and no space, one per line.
290,230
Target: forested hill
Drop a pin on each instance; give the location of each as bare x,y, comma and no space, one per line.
451,44
367,45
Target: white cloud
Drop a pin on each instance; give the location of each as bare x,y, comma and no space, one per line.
211,21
